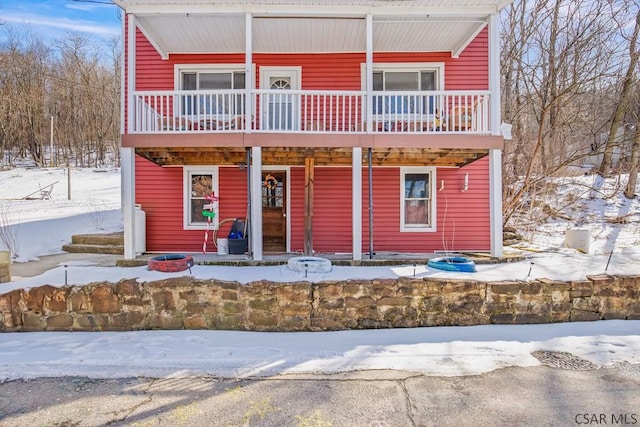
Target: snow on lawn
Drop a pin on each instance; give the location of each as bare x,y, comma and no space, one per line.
41,227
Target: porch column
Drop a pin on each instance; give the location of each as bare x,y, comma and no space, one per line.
495,155
256,203
127,177
356,202
249,80
127,155
309,179
369,72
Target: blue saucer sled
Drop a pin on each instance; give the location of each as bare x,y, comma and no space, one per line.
453,263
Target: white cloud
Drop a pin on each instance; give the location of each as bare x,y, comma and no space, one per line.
63,24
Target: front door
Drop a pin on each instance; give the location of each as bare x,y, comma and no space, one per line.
274,211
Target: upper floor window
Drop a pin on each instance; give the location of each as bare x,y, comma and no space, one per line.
218,101
413,78
404,80
204,80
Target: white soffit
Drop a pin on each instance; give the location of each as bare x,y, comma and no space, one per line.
299,35
194,33
172,34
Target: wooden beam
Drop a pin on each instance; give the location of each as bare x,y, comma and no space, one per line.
322,156
308,201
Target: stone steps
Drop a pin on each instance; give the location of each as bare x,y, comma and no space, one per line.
107,243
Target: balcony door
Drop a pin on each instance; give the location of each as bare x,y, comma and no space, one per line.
280,110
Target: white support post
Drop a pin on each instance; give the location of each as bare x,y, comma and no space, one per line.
369,71
127,154
494,74
356,202
495,155
128,173
248,80
256,203
495,204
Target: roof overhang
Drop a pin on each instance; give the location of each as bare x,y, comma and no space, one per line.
214,26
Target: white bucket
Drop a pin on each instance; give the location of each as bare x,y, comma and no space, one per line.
223,246
578,239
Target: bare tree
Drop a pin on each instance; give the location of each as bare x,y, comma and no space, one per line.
72,81
617,123
634,168
557,89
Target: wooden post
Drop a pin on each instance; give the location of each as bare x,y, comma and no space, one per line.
308,202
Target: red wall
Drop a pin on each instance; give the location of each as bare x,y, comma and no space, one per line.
462,224
462,217
338,71
160,192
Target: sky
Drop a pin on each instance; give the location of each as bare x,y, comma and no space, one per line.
52,19
41,227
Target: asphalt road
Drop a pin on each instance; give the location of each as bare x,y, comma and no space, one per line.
539,396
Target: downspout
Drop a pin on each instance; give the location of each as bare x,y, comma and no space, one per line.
248,217
369,69
369,161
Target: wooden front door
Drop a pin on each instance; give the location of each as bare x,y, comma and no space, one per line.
274,211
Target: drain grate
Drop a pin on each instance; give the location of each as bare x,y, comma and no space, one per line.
563,360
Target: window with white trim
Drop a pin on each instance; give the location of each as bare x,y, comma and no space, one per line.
411,79
417,202
214,82
199,182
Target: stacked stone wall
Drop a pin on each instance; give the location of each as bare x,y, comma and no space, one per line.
187,303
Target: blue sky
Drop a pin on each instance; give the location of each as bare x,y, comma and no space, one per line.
99,19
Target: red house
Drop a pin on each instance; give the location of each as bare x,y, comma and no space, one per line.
360,127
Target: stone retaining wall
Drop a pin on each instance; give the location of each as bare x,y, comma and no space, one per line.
186,303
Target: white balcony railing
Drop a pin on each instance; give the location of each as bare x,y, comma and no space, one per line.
301,111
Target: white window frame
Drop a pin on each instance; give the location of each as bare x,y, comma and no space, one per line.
187,172
431,171
438,67
178,69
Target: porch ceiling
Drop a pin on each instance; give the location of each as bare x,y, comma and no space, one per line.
294,156
281,26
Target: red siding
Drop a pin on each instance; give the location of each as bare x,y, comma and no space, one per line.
160,192
462,217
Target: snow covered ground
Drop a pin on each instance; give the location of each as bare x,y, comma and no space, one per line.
37,228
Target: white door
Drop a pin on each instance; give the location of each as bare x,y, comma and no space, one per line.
280,109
